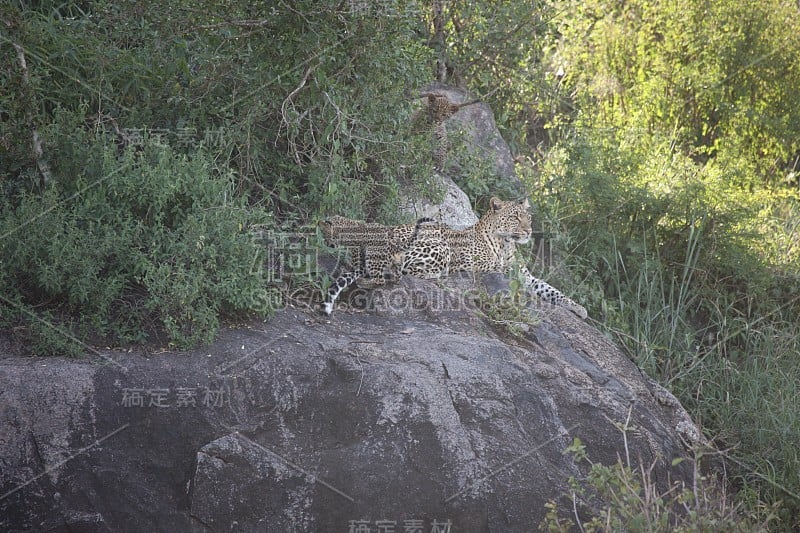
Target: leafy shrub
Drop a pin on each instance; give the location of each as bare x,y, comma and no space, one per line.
189,128
632,501
147,241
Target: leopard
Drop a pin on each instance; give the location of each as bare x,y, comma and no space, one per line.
431,250
438,109
371,247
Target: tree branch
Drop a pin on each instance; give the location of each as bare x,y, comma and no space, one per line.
36,141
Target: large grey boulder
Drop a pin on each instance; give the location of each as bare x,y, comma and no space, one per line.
416,410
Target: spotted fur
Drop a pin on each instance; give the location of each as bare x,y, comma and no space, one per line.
488,246
371,247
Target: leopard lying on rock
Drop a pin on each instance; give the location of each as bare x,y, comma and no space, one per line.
430,250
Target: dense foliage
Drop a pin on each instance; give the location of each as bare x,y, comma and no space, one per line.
167,133
676,179
144,147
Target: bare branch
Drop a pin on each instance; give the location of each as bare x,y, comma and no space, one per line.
36,141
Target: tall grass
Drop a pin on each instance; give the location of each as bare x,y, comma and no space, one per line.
633,501
737,374
695,280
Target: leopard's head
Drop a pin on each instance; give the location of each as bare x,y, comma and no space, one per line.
509,220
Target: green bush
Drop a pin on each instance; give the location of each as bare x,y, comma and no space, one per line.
144,242
632,501
169,132
716,78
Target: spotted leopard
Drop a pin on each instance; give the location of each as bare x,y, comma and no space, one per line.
438,109
423,255
432,250
371,247
488,246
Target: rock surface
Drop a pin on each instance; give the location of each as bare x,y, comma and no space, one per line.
418,411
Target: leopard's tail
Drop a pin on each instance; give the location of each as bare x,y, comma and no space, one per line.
575,307
417,226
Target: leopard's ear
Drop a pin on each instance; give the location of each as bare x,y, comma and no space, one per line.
526,204
496,203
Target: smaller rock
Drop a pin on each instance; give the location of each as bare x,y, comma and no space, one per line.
454,211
